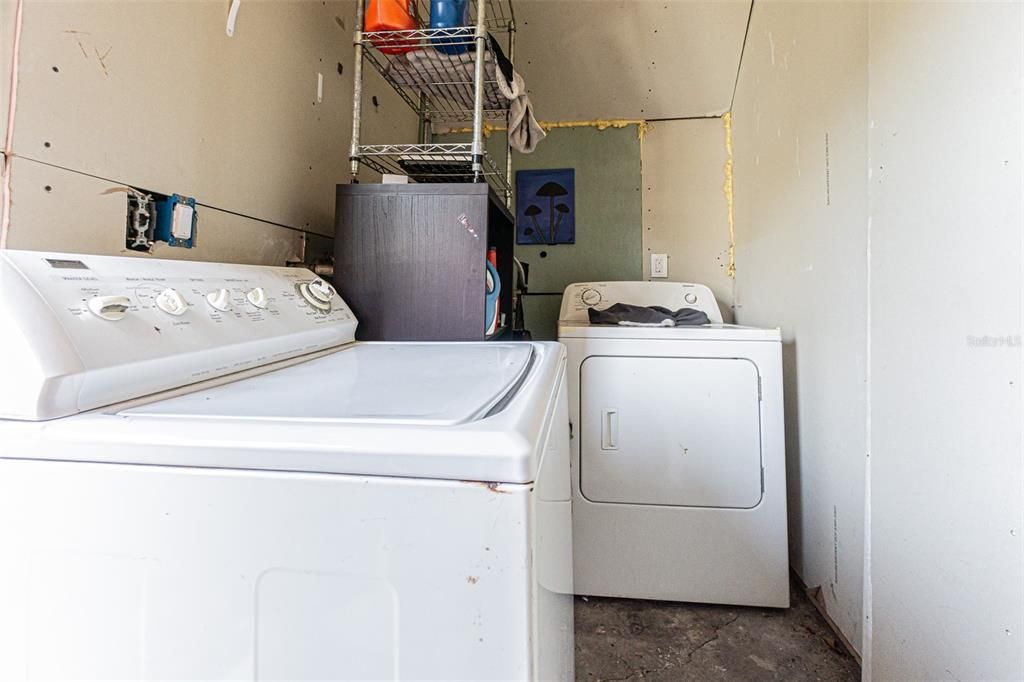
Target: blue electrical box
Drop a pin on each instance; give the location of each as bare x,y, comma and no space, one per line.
176,221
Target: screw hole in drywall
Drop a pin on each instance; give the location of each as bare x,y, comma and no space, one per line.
341,68
47,145
543,254
374,100
55,69
48,188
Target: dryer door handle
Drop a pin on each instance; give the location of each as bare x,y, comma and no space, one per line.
610,429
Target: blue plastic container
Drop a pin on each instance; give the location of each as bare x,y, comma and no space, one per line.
491,298
449,14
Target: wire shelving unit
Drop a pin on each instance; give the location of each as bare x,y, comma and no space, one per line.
456,86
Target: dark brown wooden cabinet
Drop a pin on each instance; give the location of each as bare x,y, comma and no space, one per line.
410,259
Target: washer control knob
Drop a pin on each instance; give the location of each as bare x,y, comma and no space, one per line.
219,300
591,297
318,294
171,302
257,297
690,298
321,290
109,307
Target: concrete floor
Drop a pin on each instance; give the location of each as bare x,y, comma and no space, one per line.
626,639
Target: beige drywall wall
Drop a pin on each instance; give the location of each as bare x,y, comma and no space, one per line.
685,211
800,187
946,138
72,212
157,96
635,59
879,215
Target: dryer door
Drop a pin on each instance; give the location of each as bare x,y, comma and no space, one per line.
670,431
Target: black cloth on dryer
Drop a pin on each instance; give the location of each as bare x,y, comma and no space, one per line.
624,314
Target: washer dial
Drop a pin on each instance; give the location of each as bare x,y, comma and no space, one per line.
219,299
110,308
318,294
171,302
257,298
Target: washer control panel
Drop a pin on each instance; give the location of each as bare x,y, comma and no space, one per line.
578,298
87,331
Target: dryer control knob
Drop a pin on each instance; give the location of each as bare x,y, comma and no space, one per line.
690,298
257,297
591,297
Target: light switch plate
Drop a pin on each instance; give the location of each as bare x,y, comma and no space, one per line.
659,265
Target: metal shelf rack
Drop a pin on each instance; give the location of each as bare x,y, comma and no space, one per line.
441,88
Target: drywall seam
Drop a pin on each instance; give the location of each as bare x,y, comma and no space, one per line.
743,50
727,188
865,642
867,597
5,210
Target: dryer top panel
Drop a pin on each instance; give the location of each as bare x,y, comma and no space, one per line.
580,297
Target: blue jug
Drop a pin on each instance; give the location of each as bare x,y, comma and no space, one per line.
449,14
491,299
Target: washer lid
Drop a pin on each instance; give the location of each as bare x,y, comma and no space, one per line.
460,412
424,384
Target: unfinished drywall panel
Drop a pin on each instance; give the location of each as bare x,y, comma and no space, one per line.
157,95
60,210
946,281
631,59
685,208
800,191
608,215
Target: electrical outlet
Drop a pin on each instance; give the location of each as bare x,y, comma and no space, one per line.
659,265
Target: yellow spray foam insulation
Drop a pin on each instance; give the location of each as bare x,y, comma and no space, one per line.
727,188
548,126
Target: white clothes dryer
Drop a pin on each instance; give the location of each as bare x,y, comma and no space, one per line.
678,452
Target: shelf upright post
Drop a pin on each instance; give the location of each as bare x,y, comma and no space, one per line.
357,94
422,133
478,92
508,116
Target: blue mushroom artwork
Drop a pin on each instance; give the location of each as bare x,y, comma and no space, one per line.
546,206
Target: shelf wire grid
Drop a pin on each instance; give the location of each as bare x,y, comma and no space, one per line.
439,88
410,62
432,162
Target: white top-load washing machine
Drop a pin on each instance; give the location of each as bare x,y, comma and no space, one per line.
678,456
202,477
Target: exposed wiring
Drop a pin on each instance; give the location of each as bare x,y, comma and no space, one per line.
5,210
